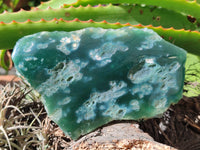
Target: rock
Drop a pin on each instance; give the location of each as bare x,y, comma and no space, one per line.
92,76
120,136
5,79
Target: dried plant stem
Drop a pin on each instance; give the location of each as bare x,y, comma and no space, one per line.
6,136
12,144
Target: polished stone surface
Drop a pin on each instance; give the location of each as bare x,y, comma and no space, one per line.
92,76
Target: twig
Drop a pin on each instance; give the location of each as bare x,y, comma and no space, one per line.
191,122
166,137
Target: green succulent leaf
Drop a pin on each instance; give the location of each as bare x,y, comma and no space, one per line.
123,14
55,3
4,60
192,76
182,6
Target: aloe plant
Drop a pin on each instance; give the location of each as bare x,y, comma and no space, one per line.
177,21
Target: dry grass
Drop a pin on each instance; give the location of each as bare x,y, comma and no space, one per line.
24,124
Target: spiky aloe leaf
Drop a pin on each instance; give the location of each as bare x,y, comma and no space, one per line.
182,6
123,14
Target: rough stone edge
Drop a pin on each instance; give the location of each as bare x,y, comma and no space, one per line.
119,136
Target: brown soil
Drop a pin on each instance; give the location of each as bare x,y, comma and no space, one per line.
179,126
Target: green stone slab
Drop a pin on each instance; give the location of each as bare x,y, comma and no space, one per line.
92,76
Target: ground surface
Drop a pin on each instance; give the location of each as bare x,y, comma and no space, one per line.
179,126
